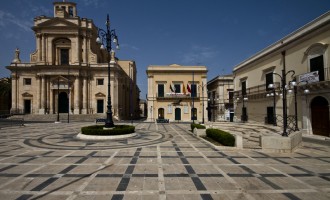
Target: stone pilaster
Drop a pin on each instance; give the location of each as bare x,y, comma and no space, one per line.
84,96
42,95
76,96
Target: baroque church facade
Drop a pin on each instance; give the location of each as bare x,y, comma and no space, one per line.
68,72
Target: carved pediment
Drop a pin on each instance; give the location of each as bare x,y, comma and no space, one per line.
60,82
99,94
26,94
57,22
60,79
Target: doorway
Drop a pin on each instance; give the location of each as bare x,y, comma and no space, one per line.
100,106
320,116
63,102
177,113
161,113
270,115
27,106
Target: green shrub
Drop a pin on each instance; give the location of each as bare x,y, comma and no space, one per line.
221,136
98,130
198,126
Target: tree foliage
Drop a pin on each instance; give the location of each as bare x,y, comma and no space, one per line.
5,86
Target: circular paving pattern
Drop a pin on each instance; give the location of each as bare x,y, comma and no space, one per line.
63,137
69,141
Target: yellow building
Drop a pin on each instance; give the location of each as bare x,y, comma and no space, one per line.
177,93
301,57
68,72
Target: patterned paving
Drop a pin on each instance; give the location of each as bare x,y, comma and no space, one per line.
250,132
45,161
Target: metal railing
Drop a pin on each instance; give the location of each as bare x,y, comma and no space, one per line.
259,89
176,96
291,122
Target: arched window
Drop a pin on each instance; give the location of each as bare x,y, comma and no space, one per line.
61,51
316,62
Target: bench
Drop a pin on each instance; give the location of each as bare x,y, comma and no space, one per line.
162,120
100,120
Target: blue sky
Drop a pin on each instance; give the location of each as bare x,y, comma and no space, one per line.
216,33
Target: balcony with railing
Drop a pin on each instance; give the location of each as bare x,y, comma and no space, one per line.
316,80
256,92
172,95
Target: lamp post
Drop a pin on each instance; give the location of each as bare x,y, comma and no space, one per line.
244,116
203,85
130,93
273,94
193,96
284,87
294,84
107,36
68,93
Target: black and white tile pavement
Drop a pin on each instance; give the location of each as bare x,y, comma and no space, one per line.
45,161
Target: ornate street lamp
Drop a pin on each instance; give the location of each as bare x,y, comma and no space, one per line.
107,36
273,94
294,84
283,88
244,113
244,116
203,85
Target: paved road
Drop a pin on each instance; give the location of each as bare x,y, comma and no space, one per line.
45,161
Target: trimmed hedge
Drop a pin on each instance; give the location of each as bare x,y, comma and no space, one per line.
198,126
221,136
98,130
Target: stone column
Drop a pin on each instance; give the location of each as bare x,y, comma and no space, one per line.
85,50
78,49
42,95
38,47
14,93
306,115
115,96
76,96
38,92
84,96
51,100
42,44
48,95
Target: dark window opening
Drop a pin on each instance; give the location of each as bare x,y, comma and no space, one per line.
177,88
100,81
269,80
193,90
70,11
160,90
27,81
317,64
243,87
64,56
